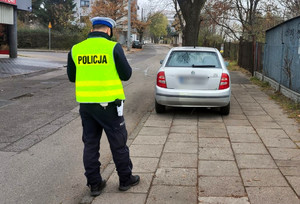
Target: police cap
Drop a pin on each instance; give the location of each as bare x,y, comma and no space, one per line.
103,21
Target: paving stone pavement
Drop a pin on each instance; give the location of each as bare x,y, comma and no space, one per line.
198,156
25,65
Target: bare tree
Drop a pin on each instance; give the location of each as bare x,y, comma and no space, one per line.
287,67
242,18
247,15
179,21
292,7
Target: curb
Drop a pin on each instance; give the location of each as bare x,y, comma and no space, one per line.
43,50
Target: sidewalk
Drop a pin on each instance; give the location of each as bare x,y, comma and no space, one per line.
197,156
24,65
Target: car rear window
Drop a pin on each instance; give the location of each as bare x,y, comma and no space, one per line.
193,59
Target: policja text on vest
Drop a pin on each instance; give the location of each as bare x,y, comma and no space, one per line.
92,59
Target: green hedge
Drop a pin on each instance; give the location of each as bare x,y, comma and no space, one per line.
39,38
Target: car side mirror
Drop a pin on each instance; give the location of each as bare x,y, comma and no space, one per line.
226,64
161,61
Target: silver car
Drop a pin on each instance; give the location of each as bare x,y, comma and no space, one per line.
193,77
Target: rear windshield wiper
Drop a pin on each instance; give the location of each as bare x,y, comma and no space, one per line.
196,65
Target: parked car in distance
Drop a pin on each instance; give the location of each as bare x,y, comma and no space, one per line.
193,77
137,44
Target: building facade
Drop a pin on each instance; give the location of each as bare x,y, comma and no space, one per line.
8,25
83,10
176,37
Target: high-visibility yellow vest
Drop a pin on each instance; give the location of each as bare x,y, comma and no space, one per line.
97,79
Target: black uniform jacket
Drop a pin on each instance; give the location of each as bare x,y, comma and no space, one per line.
123,68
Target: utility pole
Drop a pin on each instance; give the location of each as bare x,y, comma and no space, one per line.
49,26
129,26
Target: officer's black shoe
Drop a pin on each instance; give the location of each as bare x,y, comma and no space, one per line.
134,180
97,189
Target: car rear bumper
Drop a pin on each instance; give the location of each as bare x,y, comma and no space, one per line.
192,98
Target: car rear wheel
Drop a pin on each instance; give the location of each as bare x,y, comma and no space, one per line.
159,108
225,110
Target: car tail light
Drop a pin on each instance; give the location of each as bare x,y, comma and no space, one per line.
161,80
224,83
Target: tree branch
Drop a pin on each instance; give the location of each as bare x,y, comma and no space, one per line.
223,25
179,15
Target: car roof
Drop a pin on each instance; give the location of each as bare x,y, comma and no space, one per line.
209,49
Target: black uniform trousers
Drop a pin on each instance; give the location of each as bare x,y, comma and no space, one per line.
95,118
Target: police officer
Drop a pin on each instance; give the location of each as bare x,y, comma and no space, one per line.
97,65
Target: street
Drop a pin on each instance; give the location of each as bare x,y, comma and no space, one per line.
33,109
187,155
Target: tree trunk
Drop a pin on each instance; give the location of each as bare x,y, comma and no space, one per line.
191,13
141,36
191,33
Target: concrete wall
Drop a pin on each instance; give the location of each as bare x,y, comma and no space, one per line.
278,87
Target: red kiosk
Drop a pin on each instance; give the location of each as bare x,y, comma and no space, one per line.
8,24
7,8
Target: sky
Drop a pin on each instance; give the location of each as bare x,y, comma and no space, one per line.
155,5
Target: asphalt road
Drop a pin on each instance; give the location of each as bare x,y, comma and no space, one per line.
40,131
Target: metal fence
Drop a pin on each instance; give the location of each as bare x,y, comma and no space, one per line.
278,58
231,50
282,58
251,56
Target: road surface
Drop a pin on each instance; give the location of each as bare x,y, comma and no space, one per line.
40,129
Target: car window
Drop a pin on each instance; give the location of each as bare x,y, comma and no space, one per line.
193,59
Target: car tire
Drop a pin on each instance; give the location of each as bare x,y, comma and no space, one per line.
159,108
225,110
